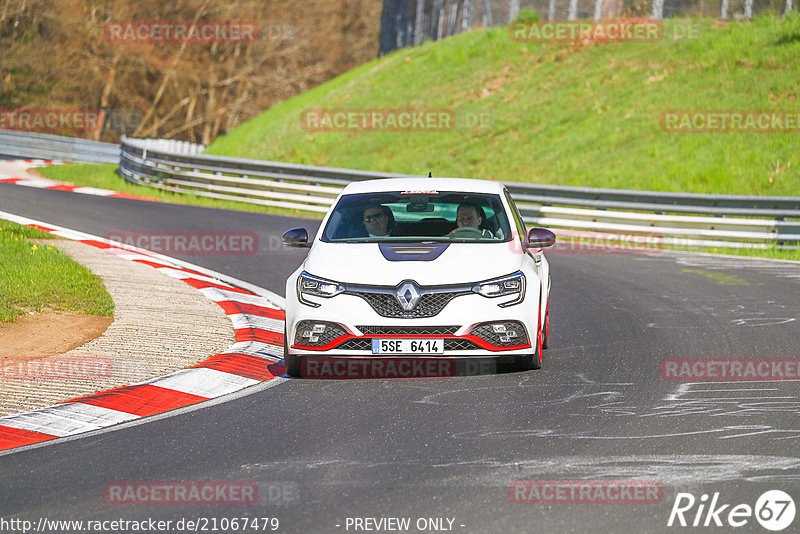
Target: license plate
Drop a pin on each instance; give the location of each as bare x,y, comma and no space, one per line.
407,346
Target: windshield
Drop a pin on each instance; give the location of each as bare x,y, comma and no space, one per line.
418,216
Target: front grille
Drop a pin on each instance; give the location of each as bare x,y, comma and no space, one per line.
502,333
356,344
366,345
459,344
407,330
317,333
430,304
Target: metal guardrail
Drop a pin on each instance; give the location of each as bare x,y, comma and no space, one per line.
674,218
48,146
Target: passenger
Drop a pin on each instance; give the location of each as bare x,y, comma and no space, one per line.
378,220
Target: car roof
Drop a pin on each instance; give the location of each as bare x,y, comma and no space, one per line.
414,183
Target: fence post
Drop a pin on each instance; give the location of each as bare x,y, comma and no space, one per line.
748,9
598,9
788,6
466,18
513,10
723,10
451,20
551,11
487,13
388,36
572,13
419,18
658,9
437,16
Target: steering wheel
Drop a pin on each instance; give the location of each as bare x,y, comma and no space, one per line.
465,232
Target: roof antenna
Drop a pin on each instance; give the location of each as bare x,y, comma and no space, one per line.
429,174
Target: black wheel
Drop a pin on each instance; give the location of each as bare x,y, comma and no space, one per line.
532,361
290,361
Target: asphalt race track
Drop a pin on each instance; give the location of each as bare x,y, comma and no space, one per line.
325,451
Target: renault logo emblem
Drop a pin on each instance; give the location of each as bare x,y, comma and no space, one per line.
407,295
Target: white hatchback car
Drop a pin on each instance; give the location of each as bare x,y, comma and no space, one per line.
433,267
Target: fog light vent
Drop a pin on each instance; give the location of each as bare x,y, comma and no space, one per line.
317,333
502,333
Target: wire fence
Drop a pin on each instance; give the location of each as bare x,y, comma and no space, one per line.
410,22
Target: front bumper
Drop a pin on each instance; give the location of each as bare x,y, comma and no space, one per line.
456,324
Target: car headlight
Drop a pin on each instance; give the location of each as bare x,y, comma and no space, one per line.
512,284
319,287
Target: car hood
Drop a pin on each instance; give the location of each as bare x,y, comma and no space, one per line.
364,263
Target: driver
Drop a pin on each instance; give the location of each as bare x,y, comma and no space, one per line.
378,220
471,215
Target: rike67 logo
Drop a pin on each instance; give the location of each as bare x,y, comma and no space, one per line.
774,510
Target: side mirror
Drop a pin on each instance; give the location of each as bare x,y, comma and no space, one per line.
296,237
540,238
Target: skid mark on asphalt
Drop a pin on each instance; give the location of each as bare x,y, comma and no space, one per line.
676,470
585,388
698,312
718,399
773,269
722,410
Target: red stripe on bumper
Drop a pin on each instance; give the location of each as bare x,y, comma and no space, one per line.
469,337
142,400
11,438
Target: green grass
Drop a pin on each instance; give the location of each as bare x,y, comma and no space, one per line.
105,177
773,252
580,115
38,277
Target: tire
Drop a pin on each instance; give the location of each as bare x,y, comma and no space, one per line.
533,361
546,333
290,362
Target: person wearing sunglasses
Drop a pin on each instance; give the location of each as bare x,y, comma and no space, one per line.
378,220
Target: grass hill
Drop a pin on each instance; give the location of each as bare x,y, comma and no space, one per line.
571,114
